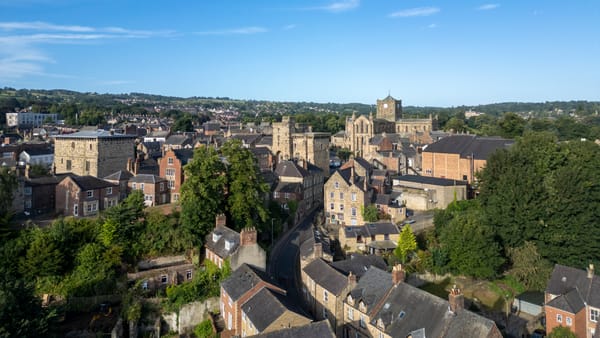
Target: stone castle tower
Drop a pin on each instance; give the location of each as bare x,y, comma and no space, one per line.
389,109
309,146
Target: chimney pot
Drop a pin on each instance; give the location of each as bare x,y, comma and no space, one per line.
351,279
590,271
456,300
248,236
221,220
398,274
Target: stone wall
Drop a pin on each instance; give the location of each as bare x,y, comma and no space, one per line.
190,315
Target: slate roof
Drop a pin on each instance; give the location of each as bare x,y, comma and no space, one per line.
223,234
283,187
357,161
358,264
94,134
145,178
290,169
242,280
346,174
371,288
45,180
121,175
466,145
326,276
178,140
564,279
184,155
267,306
265,141
39,152
370,229
247,138
381,199
402,312
260,151
444,182
90,182
212,126
570,302
320,329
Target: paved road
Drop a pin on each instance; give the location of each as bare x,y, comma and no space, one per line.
423,220
284,259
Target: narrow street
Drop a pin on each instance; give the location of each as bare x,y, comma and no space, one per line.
284,259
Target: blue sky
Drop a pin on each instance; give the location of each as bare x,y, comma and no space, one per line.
438,53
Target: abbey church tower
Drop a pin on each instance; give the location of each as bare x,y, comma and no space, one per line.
389,109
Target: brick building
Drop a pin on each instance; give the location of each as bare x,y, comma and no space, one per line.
154,188
85,195
171,168
96,153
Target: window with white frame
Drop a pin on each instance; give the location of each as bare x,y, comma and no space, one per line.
170,160
164,279
133,186
188,274
353,196
594,315
569,321
559,318
350,313
362,321
171,184
169,172
353,212
109,190
90,193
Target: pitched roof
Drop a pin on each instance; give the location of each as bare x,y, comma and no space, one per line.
242,280
217,241
565,278
121,175
45,180
266,306
39,152
469,145
371,288
320,329
178,139
184,155
147,178
570,302
358,264
290,169
90,182
286,187
326,276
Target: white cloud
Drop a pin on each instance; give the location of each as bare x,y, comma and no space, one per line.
340,6
488,7
236,31
432,26
21,55
419,11
288,27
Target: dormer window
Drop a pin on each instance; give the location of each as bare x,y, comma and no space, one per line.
362,307
380,324
216,236
350,300
228,245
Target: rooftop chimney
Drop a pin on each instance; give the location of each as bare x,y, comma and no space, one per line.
351,280
590,271
318,250
398,274
221,220
248,236
456,300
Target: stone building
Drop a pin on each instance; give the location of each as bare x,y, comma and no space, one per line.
290,142
96,153
388,119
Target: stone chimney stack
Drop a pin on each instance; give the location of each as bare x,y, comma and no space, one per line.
456,300
398,274
248,236
130,165
28,168
318,250
351,280
590,271
221,220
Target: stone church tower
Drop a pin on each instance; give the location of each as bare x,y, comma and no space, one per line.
389,109
282,139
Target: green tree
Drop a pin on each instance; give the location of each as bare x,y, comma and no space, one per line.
407,243
455,124
529,267
246,188
511,125
203,192
183,123
42,258
562,332
8,183
370,213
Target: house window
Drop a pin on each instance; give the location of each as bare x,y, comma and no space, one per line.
142,186
188,274
90,193
353,196
341,195
68,164
594,315
350,313
164,279
380,334
170,161
341,207
464,177
353,212
162,186
133,186
75,209
145,285
331,194
428,171
324,313
569,321
559,318
176,197
331,206
172,184
362,322
109,190
87,163
336,185
28,204
386,237
27,191
325,295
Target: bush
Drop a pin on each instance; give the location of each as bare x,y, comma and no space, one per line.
205,330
